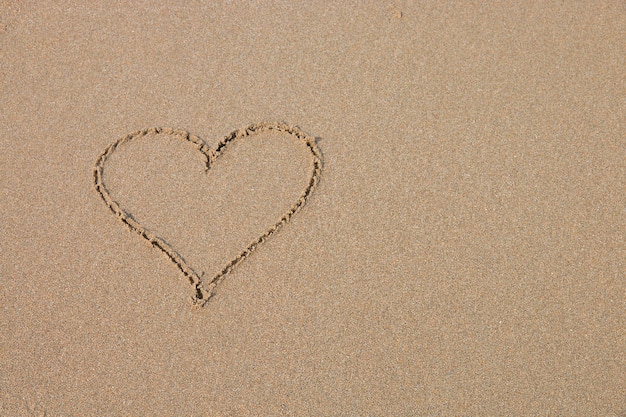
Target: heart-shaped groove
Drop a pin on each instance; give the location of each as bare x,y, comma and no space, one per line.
202,291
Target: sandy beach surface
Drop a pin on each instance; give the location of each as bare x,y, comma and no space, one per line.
461,252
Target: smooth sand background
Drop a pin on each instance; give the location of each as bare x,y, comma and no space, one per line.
464,253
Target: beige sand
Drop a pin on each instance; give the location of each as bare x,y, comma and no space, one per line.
463,252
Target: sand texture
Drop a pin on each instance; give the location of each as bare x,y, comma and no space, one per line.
399,209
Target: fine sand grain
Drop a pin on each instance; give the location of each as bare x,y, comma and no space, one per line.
443,234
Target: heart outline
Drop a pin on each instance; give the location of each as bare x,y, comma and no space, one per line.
204,291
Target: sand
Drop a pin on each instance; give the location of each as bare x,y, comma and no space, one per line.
433,224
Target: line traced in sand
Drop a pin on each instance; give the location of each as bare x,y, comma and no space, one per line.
204,290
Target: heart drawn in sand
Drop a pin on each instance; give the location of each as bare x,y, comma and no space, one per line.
202,288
